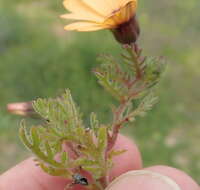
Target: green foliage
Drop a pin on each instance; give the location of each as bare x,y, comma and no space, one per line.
130,81
121,79
64,126
64,145
145,105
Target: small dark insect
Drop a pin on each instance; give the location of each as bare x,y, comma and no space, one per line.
79,179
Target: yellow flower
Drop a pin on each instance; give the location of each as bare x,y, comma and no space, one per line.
95,15
117,15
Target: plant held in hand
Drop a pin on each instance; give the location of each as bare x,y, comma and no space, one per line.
63,144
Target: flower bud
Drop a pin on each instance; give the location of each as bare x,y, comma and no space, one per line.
127,32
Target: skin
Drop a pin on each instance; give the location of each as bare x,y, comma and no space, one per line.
27,175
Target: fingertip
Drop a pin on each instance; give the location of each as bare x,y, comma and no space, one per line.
181,178
143,180
27,175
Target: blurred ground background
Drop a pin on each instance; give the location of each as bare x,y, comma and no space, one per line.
39,59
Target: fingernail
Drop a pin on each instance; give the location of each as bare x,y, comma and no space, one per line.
143,180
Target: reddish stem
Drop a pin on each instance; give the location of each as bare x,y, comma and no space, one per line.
135,53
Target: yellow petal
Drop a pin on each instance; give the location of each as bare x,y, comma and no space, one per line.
128,11
121,16
84,26
86,17
125,2
105,7
82,9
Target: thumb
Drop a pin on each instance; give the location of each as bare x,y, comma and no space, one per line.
143,180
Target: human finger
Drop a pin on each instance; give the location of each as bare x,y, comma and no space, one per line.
154,178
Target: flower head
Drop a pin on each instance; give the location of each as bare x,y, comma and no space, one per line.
95,15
